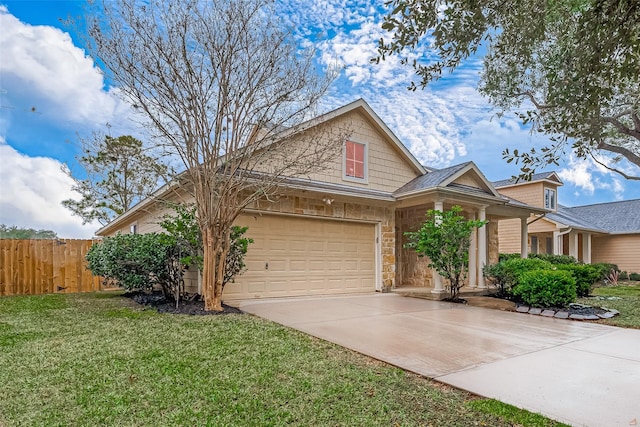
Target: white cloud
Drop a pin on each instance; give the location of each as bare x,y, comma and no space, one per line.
580,173
32,190
42,71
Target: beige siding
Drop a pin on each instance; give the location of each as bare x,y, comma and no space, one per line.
531,194
472,180
623,250
509,236
387,169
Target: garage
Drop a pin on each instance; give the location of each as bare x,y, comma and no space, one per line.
294,256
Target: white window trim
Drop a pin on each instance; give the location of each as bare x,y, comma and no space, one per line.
554,202
364,180
133,228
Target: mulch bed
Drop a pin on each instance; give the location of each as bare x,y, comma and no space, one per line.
194,307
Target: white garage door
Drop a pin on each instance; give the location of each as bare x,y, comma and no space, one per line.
299,256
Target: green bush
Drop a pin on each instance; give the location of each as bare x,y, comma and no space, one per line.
505,257
555,259
134,261
634,276
586,276
546,288
623,275
605,269
513,269
506,274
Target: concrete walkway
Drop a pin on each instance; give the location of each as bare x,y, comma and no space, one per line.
575,372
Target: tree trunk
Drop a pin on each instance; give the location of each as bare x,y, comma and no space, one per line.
215,255
212,299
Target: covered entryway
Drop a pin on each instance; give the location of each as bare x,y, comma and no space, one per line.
296,256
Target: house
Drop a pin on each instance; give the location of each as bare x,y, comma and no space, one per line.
342,230
605,232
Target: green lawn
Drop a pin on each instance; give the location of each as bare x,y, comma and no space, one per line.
98,359
628,305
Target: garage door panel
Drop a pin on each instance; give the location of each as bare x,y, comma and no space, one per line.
305,257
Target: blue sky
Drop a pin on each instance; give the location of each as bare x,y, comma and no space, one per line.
51,93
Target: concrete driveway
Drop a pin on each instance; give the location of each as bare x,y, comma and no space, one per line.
575,372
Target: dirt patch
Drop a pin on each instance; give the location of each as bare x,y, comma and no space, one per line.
194,307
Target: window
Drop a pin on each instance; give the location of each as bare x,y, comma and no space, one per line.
355,154
134,229
549,198
534,244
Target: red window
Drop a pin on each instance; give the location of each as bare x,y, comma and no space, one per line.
355,160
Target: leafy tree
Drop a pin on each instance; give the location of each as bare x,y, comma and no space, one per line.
183,226
567,67
445,238
14,232
119,172
223,84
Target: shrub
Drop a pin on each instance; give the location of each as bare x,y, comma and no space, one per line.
624,275
513,269
546,288
506,274
505,257
586,276
135,261
634,276
555,259
605,269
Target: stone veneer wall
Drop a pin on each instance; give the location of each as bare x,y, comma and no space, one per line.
311,206
493,253
411,271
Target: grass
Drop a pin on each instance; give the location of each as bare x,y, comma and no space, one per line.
99,359
628,305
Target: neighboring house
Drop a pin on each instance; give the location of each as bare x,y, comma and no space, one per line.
342,230
605,232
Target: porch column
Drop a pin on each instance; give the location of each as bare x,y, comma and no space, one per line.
524,238
473,256
573,244
437,279
482,248
557,243
586,248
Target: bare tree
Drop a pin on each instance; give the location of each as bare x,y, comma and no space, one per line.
228,90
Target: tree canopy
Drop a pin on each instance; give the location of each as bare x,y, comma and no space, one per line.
569,68
445,238
15,232
119,172
219,82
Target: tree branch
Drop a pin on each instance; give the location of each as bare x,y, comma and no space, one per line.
624,175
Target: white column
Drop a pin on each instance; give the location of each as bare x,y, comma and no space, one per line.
557,243
573,244
473,256
586,248
437,279
524,237
482,248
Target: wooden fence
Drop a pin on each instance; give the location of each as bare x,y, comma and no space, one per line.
32,267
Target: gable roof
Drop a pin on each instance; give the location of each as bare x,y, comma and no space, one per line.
614,217
443,178
357,105
541,176
362,106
